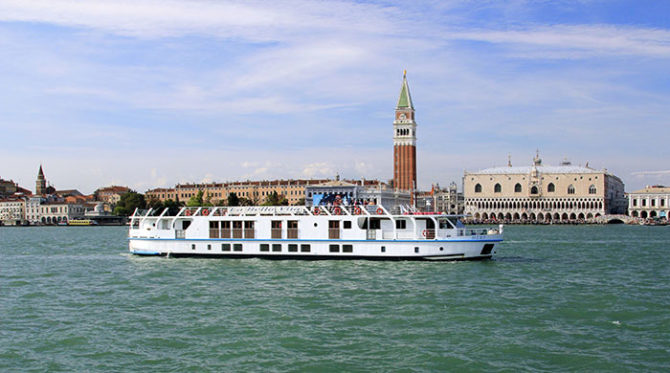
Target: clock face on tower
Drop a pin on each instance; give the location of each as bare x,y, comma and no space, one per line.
402,116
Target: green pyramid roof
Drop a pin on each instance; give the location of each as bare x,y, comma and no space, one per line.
405,99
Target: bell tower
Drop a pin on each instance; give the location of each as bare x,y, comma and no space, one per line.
404,141
41,183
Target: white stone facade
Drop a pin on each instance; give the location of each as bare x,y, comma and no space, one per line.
650,202
12,211
540,193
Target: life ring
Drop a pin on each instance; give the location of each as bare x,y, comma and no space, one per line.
337,211
357,211
380,211
205,212
425,233
316,211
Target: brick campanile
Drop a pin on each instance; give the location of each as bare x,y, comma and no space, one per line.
404,141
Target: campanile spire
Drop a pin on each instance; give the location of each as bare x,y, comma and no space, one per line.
404,140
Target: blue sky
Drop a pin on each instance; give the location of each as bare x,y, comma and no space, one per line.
149,93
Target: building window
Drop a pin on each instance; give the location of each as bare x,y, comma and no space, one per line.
478,188
533,190
635,202
551,188
304,248
497,188
334,248
592,189
571,189
644,202
347,249
653,203
517,188
662,202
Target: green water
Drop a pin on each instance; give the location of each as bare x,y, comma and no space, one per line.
568,298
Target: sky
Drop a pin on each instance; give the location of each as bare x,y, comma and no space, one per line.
150,93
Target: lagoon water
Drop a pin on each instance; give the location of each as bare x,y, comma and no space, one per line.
557,298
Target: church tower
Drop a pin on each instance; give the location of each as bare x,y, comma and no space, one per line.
404,141
41,184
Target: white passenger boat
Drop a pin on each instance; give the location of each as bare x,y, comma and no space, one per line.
298,232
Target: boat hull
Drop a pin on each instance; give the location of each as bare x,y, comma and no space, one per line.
430,250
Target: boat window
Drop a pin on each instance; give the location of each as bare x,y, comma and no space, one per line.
305,248
276,247
347,249
237,247
347,224
383,249
237,225
265,247
292,248
416,250
401,224
209,247
185,224
193,247
334,248
333,224
225,247
276,224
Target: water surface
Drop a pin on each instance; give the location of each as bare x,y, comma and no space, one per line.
589,298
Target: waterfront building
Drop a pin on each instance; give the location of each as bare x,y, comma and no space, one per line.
111,194
350,192
12,211
61,212
255,191
650,202
448,200
539,193
33,210
404,141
